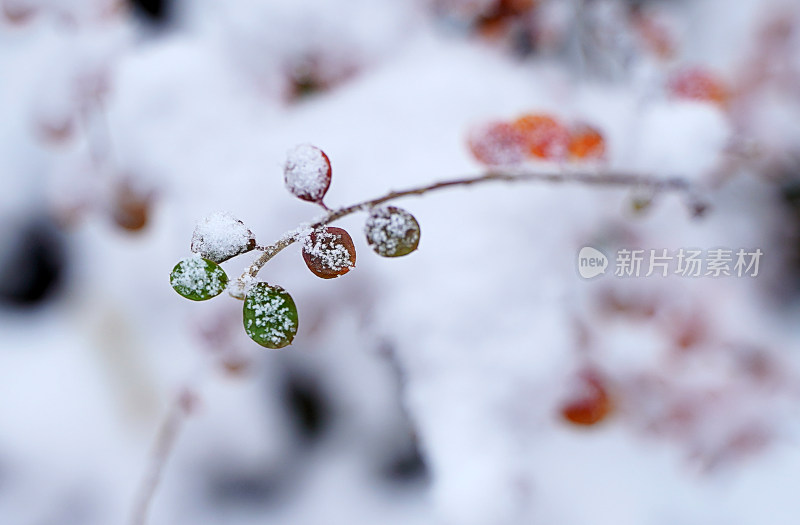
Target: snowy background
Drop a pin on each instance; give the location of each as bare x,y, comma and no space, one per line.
428,389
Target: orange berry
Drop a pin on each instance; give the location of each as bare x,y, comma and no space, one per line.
586,142
497,144
697,84
544,136
591,404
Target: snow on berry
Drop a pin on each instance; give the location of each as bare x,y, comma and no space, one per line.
329,252
198,279
307,172
392,231
270,316
221,236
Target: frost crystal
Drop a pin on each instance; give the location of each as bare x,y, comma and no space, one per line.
221,236
392,232
307,172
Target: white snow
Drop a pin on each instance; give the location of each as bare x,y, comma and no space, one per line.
307,172
391,230
270,320
328,250
221,236
192,276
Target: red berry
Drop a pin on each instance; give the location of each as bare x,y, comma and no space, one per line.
307,173
697,84
586,143
544,136
590,403
497,144
329,252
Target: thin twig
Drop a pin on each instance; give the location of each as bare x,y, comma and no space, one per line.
165,442
592,179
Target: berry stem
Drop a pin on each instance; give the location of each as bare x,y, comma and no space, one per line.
614,179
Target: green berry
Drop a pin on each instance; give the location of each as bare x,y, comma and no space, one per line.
198,279
392,231
270,316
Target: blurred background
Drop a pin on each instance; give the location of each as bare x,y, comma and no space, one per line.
477,381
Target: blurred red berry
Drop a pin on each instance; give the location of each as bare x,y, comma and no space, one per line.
590,403
497,144
131,207
586,143
697,84
544,136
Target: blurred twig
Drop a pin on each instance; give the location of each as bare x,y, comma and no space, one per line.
165,441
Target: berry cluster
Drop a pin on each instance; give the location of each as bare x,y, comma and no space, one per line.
535,136
269,313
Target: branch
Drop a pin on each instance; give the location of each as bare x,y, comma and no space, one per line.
172,424
655,184
165,442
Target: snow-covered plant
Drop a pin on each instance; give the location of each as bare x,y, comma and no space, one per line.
269,314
